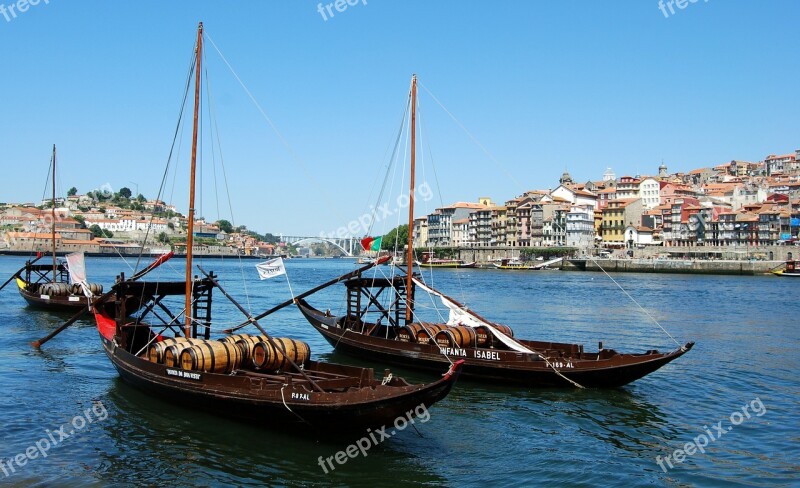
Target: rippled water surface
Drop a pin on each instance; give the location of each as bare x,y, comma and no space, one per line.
747,354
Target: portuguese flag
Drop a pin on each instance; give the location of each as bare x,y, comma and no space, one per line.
371,243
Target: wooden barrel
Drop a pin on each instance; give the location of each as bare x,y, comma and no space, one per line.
172,353
233,339
55,289
426,334
211,357
155,353
246,345
274,357
504,329
459,336
483,337
408,333
442,338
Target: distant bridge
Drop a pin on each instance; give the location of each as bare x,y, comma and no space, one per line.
347,245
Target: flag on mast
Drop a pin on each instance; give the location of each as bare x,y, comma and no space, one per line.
271,268
372,243
76,265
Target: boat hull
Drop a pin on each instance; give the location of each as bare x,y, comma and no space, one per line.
784,274
495,365
260,400
516,267
67,303
448,265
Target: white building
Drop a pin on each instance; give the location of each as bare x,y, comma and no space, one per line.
580,226
650,192
639,236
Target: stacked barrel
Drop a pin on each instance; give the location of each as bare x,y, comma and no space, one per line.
452,335
66,289
230,353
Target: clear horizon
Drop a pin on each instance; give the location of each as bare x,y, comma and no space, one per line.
542,88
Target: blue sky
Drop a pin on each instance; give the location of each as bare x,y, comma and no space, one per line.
543,86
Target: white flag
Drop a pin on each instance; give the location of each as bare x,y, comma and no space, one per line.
271,268
77,271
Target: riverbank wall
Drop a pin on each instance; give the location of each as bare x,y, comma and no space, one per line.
684,266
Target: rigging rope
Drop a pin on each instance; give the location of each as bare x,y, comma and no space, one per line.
469,134
634,301
321,189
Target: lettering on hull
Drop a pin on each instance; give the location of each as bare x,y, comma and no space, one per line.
301,396
450,351
189,375
493,355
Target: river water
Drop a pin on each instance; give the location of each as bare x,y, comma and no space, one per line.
736,391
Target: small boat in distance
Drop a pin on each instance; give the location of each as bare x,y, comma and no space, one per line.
429,260
373,259
518,264
48,286
258,378
791,269
514,263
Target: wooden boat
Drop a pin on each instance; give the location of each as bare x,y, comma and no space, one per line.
37,286
791,269
385,329
48,286
259,378
514,264
430,261
517,264
309,395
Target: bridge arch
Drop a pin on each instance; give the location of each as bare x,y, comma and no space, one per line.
323,239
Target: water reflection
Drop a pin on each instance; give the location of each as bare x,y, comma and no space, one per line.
154,441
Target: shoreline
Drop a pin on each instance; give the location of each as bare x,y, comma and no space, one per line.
133,255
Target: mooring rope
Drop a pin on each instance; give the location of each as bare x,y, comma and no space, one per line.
283,399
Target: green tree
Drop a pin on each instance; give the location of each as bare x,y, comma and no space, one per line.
396,238
72,192
225,226
125,192
163,238
98,232
140,198
80,220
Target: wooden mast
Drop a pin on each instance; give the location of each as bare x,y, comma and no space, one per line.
410,255
53,223
190,231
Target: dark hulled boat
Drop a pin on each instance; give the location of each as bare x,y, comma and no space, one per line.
271,381
48,286
488,351
36,285
316,396
380,324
